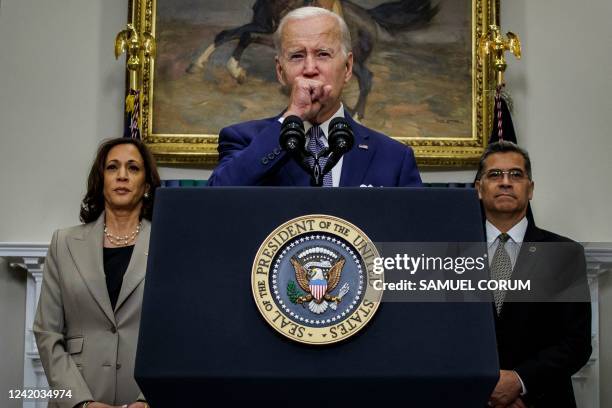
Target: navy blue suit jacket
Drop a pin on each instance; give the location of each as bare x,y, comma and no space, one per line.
250,155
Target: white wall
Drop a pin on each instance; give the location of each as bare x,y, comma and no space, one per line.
562,89
61,93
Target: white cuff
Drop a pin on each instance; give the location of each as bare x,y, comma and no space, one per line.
523,389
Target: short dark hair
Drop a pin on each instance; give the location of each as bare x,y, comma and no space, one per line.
93,202
503,147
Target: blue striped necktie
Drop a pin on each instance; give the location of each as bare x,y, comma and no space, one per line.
315,145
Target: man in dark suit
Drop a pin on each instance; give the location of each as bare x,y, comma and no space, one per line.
314,63
543,340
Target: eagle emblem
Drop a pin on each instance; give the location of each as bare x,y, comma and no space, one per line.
318,279
311,283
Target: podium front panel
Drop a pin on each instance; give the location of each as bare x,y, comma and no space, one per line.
203,339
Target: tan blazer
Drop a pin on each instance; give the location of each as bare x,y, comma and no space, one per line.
84,345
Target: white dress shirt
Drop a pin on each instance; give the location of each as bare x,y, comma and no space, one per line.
513,245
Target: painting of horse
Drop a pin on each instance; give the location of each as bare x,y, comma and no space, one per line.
411,77
363,25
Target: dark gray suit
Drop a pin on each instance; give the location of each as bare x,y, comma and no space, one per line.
547,342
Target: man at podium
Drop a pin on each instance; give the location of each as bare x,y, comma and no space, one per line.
543,342
314,62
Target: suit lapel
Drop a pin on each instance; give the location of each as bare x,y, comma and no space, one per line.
527,259
87,253
136,269
357,161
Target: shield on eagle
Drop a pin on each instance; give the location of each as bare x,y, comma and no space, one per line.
318,288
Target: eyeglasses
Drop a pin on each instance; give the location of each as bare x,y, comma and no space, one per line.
498,175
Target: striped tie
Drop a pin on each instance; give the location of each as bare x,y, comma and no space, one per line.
315,145
501,269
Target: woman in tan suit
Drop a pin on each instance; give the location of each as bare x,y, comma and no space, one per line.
88,315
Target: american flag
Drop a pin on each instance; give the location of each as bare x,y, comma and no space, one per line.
503,128
132,109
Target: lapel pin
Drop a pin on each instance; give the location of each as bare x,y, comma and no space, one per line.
532,249
363,146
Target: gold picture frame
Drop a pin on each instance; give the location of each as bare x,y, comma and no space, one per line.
194,149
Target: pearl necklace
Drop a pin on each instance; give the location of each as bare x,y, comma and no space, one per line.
119,240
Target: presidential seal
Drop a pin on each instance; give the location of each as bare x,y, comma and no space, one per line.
312,279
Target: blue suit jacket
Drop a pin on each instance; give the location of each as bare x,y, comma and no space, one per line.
249,155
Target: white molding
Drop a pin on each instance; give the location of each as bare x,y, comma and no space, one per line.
587,380
599,257
23,249
31,258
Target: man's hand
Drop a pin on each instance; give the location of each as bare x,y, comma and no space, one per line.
518,403
103,405
308,96
507,390
137,404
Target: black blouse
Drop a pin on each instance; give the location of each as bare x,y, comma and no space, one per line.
116,261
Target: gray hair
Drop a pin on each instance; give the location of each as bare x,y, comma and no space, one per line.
304,13
503,147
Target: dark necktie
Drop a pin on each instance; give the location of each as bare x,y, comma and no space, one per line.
315,145
501,269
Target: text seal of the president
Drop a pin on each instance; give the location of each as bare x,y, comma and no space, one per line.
312,279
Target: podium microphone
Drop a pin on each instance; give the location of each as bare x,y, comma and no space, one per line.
341,140
292,136
292,139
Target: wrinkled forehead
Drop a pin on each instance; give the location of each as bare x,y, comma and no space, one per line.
318,31
505,161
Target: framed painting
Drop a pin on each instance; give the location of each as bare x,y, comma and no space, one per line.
215,67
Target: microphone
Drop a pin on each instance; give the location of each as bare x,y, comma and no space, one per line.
292,139
292,136
340,139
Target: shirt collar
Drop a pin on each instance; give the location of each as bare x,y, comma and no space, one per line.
517,233
325,125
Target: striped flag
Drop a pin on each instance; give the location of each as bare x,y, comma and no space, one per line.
503,128
132,110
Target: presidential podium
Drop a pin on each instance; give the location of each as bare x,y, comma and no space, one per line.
203,340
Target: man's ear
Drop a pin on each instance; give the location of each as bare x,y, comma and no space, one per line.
280,75
531,187
349,67
477,186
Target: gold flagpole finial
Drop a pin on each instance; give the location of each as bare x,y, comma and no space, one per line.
137,47
492,42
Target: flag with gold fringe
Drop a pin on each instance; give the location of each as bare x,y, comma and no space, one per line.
503,128
132,115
